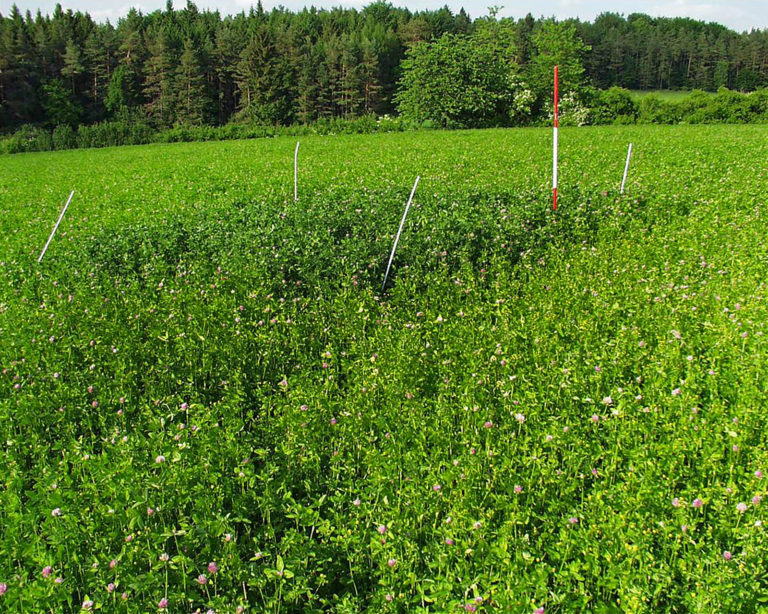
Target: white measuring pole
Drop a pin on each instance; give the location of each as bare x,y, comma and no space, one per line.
399,230
296,173
626,168
55,228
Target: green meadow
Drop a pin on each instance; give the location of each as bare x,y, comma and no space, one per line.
208,403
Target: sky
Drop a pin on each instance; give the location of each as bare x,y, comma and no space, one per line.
739,15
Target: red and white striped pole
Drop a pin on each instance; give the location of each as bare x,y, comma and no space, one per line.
554,150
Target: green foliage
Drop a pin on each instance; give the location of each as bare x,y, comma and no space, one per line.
59,105
121,93
750,79
260,79
655,110
461,81
134,129
73,63
27,138
192,103
556,44
191,67
725,107
158,81
592,107
615,105
120,132
63,137
203,377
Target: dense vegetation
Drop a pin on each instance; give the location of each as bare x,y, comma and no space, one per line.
207,402
192,68
613,106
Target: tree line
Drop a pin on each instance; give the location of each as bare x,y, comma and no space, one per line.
196,68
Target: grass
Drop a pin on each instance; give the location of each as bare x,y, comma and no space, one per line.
667,95
206,398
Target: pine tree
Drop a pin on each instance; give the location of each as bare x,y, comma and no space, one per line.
332,77
18,77
191,92
159,78
325,78
132,45
121,92
369,77
226,53
258,79
60,104
73,63
99,58
308,60
351,98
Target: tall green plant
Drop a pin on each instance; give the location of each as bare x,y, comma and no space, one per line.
461,81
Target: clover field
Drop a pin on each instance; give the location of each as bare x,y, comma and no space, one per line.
207,402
